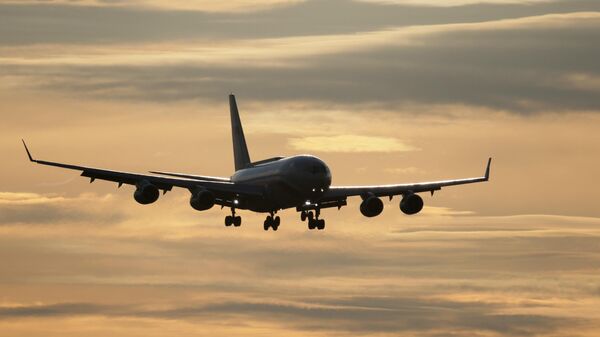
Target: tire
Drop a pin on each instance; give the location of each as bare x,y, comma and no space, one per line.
321,224
311,224
228,220
237,221
276,221
303,216
267,224
310,216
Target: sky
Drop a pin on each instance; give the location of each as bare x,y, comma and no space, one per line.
385,91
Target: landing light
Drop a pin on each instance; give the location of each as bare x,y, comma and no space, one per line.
235,202
307,202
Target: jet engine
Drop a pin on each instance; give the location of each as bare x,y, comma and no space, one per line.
371,206
146,193
202,200
411,204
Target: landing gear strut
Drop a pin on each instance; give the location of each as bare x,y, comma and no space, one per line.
233,219
313,219
272,222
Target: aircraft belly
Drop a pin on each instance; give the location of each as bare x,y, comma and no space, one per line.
279,195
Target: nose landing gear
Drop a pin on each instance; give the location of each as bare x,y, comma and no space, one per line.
232,219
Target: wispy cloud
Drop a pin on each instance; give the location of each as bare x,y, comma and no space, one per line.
450,3
142,84
199,5
403,170
481,275
350,143
33,209
396,66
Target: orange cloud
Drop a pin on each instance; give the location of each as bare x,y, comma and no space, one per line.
200,5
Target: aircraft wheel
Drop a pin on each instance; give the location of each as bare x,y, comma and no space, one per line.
237,221
303,215
310,216
321,224
228,220
276,222
311,224
268,222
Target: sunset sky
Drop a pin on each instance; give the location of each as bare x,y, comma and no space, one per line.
385,91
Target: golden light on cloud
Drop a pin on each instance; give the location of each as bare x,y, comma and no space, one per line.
199,5
263,52
586,82
10,198
450,3
350,143
403,170
516,256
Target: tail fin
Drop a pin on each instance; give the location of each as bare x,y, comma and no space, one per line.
240,149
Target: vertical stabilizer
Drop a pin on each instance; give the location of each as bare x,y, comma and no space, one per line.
240,150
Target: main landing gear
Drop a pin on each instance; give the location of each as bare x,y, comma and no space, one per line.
272,222
232,219
313,219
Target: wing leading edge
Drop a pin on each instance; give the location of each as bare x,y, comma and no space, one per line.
341,192
223,189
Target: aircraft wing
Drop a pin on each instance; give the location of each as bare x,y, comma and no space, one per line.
225,191
342,192
191,176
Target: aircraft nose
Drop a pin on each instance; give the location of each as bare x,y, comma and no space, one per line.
316,174
318,168
325,179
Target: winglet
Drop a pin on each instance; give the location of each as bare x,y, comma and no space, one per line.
28,153
487,169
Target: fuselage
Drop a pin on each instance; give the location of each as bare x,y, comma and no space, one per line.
288,182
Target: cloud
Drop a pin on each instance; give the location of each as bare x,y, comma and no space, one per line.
9,198
581,81
403,170
450,3
381,314
481,260
49,310
467,274
493,65
199,5
33,208
58,23
349,143
351,314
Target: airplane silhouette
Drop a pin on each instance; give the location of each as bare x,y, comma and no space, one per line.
267,186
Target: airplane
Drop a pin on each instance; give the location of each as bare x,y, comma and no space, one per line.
268,186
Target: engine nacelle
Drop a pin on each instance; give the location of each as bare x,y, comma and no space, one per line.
371,206
202,200
411,204
146,193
